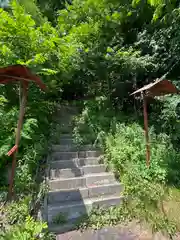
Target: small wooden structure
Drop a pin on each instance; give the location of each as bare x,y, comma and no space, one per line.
22,74
158,88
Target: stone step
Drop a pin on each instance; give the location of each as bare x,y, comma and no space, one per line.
66,129
67,110
72,147
73,210
94,169
99,179
82,193
68,183
78,181
74,163
71,155
84,181
65,173
76,172
66,141
65,195
67,125
66,135
65,116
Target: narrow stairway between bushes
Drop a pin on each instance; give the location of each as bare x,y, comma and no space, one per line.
77,179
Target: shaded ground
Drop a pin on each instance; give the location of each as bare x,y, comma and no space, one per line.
133,231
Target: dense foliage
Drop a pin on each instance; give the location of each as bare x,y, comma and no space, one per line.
94,48
122,138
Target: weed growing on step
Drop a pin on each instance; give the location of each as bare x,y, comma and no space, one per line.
103,217
100,217
60,218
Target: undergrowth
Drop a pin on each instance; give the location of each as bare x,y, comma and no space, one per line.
29,229
16,216
124,214
122,138
100,217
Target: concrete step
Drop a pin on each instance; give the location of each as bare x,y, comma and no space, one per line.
63,116
68,183
76,171
74,163
66,141
78,181
88,169
66,129
99,179
72,147
73,210
67,195
82,193
66,173
64,155
84,181
67,110
65,119
71,155
66,135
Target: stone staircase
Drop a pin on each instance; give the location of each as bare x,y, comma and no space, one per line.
77,180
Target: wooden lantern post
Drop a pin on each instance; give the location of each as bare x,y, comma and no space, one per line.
160,87
18,136
24,76
146,132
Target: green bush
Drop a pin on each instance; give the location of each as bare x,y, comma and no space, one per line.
14,212
18,224
127,147
95,120
126,153
17,212
33,145
28,230
166,120
145,188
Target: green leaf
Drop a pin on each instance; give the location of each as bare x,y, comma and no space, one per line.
48,72
135,3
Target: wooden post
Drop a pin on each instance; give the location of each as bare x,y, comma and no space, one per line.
18,135
146,129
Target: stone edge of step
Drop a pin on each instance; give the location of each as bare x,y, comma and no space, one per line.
100,165
90,187
84,202
75,159
113,189
82,169
76,154
105,174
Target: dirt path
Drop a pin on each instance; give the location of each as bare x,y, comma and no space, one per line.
130,232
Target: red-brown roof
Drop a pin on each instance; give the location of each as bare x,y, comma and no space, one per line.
158,88
19,73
